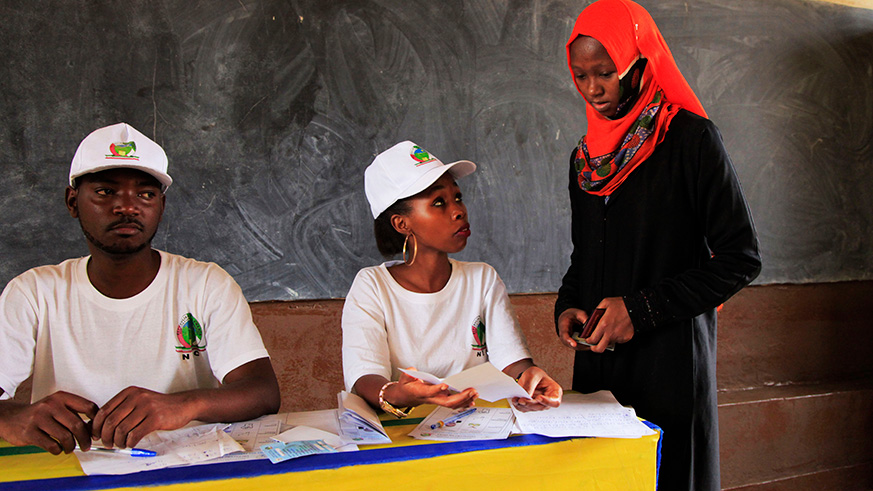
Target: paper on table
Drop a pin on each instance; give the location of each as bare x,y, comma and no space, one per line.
491,384
307,433
597,415
254,433
487,423
358,422
178,447
193,447
250,435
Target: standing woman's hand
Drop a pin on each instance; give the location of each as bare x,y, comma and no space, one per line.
614,327
569,321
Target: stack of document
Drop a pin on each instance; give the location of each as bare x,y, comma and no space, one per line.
595,415
592,415
358,422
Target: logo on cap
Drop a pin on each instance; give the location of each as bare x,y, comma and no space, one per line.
122,150
420,155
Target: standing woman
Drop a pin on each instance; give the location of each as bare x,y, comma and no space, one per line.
661,236
427,310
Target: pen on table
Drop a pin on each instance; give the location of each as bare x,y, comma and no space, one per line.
133,452
453,419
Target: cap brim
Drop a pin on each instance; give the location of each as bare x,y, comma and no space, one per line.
462,168
458,169
164,179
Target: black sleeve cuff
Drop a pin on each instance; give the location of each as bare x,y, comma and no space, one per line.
644,310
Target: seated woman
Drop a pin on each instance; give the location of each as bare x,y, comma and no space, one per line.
428,311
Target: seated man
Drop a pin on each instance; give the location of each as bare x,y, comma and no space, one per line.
129,339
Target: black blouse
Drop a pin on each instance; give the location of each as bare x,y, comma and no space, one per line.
675,239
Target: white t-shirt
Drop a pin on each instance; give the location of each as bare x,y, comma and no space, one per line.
386,327
188,329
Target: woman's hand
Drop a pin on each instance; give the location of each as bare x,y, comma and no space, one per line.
570,321
410,391
544,391
614,327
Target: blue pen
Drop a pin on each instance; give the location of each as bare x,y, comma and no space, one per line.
453,419
133,452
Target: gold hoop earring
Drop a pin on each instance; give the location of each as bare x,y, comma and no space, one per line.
414,249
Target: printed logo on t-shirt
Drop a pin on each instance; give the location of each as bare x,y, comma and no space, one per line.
420,155
479,345
189,334
123,151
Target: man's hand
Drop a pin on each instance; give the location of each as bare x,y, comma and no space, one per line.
135,412
248,391
53,423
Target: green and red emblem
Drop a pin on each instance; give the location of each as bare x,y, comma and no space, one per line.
122,150
420,156
189,334
479,345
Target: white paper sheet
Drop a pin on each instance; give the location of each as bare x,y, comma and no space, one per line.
486,423
491,384
597,415
252,434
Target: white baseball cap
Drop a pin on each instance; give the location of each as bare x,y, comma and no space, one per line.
403,171
120,145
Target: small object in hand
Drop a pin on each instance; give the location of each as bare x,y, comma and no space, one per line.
581,337
591,323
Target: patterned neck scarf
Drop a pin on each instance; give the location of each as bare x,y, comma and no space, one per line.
596,173
613,148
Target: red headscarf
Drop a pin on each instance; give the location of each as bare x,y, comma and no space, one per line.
627,32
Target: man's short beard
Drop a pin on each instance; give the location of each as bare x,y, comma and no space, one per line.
117,250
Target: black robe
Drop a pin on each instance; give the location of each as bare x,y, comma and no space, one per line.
675,240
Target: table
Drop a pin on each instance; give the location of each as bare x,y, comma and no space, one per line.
555,463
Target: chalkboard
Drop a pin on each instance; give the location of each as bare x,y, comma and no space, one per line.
270,111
